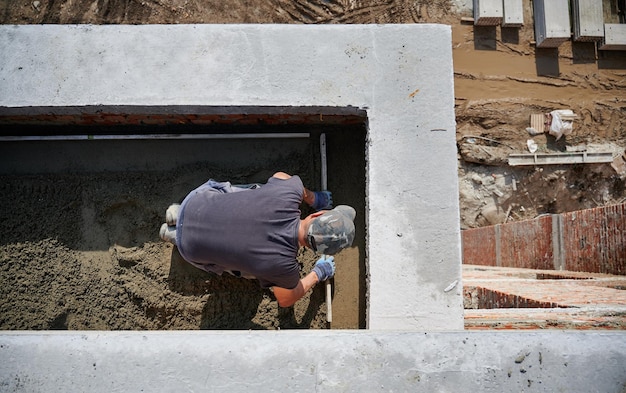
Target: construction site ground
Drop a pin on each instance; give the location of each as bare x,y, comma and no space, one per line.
500,79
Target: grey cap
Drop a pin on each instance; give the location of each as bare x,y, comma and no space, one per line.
332,231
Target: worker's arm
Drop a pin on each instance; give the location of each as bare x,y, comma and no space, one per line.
320,200
288,297
323,270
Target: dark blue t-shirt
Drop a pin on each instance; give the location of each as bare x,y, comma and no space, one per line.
254,232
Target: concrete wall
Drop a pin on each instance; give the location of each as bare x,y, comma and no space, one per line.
591,240
313,361
401,75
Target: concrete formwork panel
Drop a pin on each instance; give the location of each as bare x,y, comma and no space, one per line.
488,12
401,75
552,24
588,20
614,37
513,13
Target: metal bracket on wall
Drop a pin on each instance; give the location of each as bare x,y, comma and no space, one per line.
560,158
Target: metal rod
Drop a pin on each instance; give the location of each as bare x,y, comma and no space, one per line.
150,136
323,154
329,307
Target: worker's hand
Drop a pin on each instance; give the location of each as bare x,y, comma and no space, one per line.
325,267
323,200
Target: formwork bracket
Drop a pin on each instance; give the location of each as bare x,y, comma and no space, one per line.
560,158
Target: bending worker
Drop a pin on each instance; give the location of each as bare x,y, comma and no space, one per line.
255,232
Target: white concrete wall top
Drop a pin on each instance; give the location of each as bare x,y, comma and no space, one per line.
556,18
400,74
313,361
614,37
513,13
588,19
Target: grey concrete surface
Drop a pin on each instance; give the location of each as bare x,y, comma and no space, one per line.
313,361
401,75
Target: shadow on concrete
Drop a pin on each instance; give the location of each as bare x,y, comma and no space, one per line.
547,61
584,52
485,37
510,35
612,60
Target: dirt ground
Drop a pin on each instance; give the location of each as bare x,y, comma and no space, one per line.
80,247
65,282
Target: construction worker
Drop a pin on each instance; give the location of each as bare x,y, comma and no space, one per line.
255,231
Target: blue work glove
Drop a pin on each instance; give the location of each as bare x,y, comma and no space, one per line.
323,200
325,267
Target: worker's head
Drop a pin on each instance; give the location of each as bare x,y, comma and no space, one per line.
332,231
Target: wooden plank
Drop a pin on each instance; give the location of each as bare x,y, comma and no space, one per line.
538,122
552,25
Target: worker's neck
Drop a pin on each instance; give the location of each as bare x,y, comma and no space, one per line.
303,229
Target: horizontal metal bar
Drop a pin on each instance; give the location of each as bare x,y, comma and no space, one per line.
560,158
152,136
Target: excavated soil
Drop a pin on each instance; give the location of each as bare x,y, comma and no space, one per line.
56,275
81,251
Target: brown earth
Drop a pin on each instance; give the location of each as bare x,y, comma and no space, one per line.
51,280
55,274
80,247
500,80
